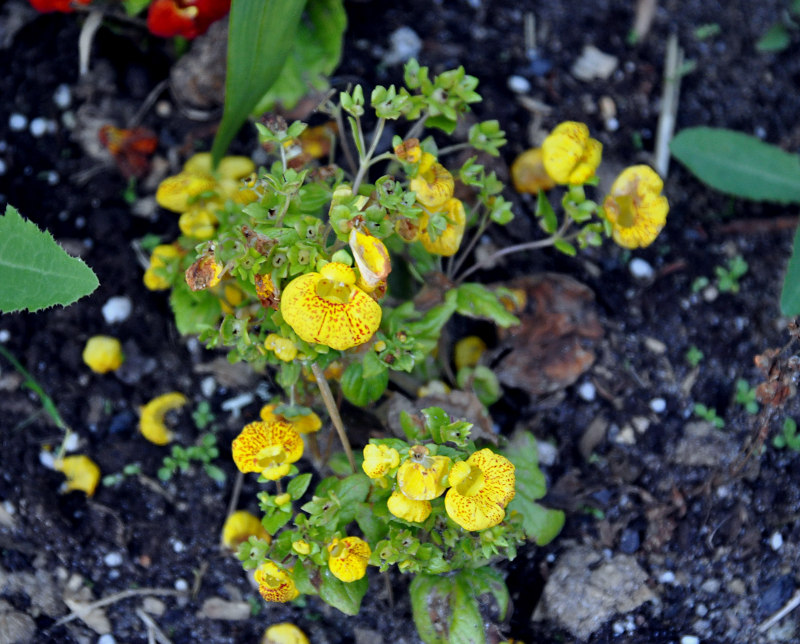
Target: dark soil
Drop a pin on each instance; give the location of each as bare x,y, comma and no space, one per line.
632,480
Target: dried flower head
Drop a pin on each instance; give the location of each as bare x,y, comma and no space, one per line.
103,353
328,308
269,448
284,633
379,459
82,473
348,558
408,509
274,583
239,527
528,173
204,273
570,156
635,207
481,488
151,421
449,240
409,151
433,183
420,476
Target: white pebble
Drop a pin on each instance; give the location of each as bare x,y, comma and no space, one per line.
117,309
38,127
547,452
640,269
72,441
108,638
658,405
5,335
776,541
234,405
17,122
52,178
181,585
207,386
62,97
9,507
178,546
667,577
112,559
587,391
47,459
690,639
519,84
612,124
404,43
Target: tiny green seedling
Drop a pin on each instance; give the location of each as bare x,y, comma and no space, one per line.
694,356
746,396
788,438
708,30
132,469
708,414
182,457
202,415
728,278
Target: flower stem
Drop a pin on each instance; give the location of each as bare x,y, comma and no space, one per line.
333,411
362,170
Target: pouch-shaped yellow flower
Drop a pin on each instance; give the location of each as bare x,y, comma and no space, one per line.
420,476
379,459
409,509
82,473
433,184
269,448
284,633
348,558
371,257
468,351
635,207
198,222
528,173
274,583
177,193
151,422
448,242
328,308
283,348
103,353
570,155
240,526
161,256
481,488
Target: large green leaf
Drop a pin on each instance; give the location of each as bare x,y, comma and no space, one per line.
260,37
790,295
738,164
35,272
344,596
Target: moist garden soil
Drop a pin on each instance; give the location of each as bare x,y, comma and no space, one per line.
630,465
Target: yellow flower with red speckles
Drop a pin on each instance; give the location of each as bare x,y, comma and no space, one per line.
635,207
348,558
481,488
409,509
420,476
268,448
433,183
274,583
448,241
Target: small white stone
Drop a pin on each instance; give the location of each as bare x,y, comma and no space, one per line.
62,97
619,628
658,405
5,335
72,441
701,610
17,122
587,391
776,541
690,639
108,638
9,507
47,459
208,386
178,546
667,577
112,559
641,269
519,84
163,109
234,405
547,453
626,436
52,178
612,124
38,127
181,585
117,309
404,43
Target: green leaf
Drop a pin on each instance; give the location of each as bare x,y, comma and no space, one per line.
466,626
344,596
298,485
738,164
350,492
487,581
429,598
790,295
362,391
35,272
540,524
133,7
476,301
565,247
275,521
544,210
260,36
775,39
194,312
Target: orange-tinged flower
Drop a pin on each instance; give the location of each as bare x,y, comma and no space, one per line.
204,273
267,447
420,476
151,422
348,558
570,155
240,526
103,353
161,257
274,583
481,488
328,308
635,207
447,243
409,151
379,459
284,633
265,290
528,173
433,183
371,257
82,473
409,509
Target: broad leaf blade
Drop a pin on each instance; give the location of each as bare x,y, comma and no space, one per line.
260,36
790,295
738,164
35,272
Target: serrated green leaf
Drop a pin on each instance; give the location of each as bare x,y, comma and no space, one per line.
274,522
298,485
790,294
35,272
194,312
260,36
738,164
344,596
544,210
476,301
362,391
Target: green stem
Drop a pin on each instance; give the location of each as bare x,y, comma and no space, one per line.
362,170
333,412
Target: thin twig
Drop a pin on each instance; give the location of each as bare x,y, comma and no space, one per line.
113,599
793,603
669,104
86,38
333,412
152,628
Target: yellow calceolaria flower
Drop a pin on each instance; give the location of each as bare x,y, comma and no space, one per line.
635,207
198,222
103,353
151,422
285,633
268,448
448,242
82,473
283,499
528,173
240,526
301,547
409,509
481,488
371,257
283,348
468,351
328,308
348,558
379,459
570,155
305,424
274,583
433,183
420,476
160,258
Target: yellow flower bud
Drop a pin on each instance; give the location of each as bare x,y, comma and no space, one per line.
284,634
283,499
468,351
569,155
409,509
103,353
239,527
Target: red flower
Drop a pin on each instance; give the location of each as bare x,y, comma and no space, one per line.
65,6
187,18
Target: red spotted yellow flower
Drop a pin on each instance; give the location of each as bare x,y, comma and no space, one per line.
348,558
433,183
372,259
481,488
103,353
328,308
274,583
635,207
284,633
82,473
268,448
379,459
528,173
159,260
302,424
409,509
151,422
449,240
570,155
239,527
420,476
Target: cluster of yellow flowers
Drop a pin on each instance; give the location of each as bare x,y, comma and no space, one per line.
480,487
